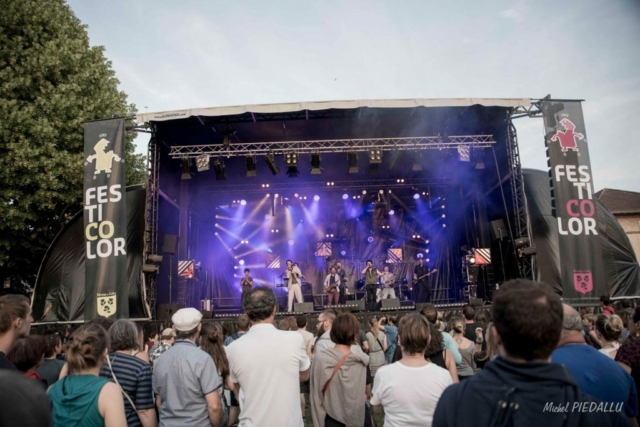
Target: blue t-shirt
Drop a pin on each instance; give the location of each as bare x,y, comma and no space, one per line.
391,331
598,375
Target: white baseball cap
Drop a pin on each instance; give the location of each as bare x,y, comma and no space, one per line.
186,319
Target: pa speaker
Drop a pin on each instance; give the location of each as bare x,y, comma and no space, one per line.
170,244
357,305
390,303
303,307
165,311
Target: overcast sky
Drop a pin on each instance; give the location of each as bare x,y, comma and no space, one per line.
171,55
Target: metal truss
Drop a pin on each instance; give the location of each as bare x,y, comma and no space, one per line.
517,192
151,219
333,146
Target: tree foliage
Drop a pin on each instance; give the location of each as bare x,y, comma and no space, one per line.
51,81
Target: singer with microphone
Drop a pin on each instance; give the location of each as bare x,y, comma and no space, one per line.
292,275
371,284
246,283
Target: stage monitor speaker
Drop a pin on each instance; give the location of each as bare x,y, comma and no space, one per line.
303,307
390,303
498,230
165,311
476,302
206,314
357,305
170,244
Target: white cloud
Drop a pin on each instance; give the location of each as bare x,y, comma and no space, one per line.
516,13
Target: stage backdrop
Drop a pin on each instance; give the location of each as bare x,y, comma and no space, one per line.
581,269
105,219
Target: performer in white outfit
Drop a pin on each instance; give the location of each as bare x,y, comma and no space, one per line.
293,275
387,279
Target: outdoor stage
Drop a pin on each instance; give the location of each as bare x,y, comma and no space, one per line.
321,183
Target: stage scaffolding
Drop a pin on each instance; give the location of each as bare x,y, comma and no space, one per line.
151,219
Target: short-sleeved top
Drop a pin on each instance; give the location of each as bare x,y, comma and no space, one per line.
134,376
306,336
421,271
409,395
50,370
182,377
376,351
598,375
391,331
267,363
629,354
156,351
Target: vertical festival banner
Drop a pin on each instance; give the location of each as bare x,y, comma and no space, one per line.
582,270
105,220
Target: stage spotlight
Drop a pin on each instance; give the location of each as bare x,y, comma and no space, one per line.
444,216
150,268
471,260
295,195
419,256
343,253
290,242
380,191
426,251
442,206
243,202
428,260
273,231
215,225
315,164
444,225
202,163
354,197
417,164
218,167
235,267
392,212
345,196
291,160
464,153
316,197
353,162
251,166
155,259
276,195
271,162
186,168
241,262
427,241
370,239
226,136
364,192
375,156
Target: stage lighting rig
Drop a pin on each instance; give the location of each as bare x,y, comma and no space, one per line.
218,167
251,166
226,136
291,162
202,163
315,164
271,162
353,162
186,168
375,156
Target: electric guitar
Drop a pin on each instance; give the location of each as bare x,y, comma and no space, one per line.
426,275
331,288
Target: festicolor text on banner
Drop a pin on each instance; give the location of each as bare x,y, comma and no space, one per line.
105,220
571,179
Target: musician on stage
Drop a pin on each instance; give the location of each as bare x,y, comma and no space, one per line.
247,282
371,284
292,276
343,282
387,279
331,284
421,275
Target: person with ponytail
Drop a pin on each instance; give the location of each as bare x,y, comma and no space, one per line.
212,343
82,398
608,330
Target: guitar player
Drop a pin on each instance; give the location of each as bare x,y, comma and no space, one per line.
421,275
387,280
331,284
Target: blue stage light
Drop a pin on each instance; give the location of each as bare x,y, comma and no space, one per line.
243,202
291,242
316,197
345,196
241,262
370,239
416,196
392,212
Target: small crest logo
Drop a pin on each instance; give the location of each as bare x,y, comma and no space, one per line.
567,139
106,304
104,159
583,281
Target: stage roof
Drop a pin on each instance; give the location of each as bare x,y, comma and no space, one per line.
327,105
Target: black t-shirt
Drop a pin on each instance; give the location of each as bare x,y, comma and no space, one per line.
470,331
5,363
421,271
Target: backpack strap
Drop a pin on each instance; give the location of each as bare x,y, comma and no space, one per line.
335,371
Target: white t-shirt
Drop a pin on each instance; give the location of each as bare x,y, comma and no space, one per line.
267,363
409,395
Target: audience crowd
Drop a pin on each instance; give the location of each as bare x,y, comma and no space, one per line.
529,361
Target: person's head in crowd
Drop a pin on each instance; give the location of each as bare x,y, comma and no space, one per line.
325,321
243,323
469,313
626,303
584,311
527,317
392,320
28,353
87,348
482,317
634,323
436,343
123,336
609,328
168,336
23,401
625,315
605,301
284,325
413,334
589,321
373,326
430,313
212,342
457,324
15,320
344,330
141,341
53,346
187,323
301,322
259,304
447,320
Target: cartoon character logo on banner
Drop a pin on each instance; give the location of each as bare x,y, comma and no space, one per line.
567,139
107,304
583,281
104,159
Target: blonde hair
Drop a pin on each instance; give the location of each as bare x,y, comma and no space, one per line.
610,327
457,324
86,347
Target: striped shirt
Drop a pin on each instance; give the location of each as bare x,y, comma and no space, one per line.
134,377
